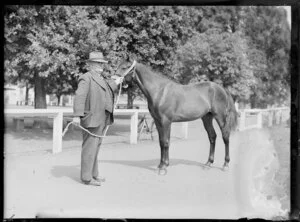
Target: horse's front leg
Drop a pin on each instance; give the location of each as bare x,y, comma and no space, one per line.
164,131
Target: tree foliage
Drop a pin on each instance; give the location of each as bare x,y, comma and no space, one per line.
268,36
244,48
219,57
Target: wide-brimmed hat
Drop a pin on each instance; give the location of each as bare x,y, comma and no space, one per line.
96,57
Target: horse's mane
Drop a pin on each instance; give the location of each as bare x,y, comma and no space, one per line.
148,70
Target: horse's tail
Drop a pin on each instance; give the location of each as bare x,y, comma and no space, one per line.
231,121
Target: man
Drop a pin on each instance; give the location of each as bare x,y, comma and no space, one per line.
93,109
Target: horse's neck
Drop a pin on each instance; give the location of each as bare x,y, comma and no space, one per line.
148,82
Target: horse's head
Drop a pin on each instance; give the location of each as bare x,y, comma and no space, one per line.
127,69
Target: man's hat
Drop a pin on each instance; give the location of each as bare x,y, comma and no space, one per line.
96,57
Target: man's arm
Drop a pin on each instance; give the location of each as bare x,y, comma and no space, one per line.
80,96
113,83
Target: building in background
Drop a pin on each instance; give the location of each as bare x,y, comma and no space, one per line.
16,95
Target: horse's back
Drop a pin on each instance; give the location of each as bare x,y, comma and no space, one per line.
203,87
186,102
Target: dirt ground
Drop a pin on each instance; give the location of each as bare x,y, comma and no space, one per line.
39,183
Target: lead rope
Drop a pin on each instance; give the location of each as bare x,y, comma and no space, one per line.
119,94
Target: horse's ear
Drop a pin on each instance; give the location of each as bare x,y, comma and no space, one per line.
131,57
127,57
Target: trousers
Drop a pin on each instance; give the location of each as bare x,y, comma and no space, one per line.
90,149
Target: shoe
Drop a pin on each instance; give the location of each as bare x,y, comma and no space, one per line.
92,182
99,179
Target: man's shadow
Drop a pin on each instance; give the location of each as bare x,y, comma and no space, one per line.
73,172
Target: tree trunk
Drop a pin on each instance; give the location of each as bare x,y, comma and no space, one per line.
58,99
253,101
39,93
26,94
64,98
130,98
40,101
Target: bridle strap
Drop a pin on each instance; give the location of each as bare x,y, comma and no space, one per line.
130,68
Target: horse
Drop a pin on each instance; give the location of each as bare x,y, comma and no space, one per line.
170,102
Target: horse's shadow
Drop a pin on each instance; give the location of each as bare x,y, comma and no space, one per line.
73,172
152,164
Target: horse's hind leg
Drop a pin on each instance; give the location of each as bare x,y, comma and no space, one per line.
225,134
208,125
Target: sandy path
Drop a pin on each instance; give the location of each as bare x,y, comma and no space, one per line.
48,185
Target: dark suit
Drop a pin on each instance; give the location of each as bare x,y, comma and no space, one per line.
93,103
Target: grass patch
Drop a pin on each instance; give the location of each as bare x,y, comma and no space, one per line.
281,140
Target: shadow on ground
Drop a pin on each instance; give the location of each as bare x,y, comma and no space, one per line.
73,172
153,163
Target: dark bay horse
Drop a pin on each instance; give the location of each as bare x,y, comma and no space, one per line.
170,102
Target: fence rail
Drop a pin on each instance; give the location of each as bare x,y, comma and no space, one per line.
259,118
59,114
249,119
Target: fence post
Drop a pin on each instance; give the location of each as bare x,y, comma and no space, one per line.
270,118
185,129
277,116
134,127
57,132
236,104
280,116
242,121
259,120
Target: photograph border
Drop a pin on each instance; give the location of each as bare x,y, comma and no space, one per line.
295,69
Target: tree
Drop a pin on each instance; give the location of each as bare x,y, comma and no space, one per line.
17,25
268,37
217,50
50,43
244,48
64,85
220,57
150,33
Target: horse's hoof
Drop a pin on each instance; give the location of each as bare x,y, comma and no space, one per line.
225,168
208,164
162,172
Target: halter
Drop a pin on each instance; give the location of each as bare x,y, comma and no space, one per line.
129,69
119,94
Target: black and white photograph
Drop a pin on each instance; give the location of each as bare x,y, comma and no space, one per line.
147,111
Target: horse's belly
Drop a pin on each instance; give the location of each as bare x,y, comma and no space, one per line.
191,109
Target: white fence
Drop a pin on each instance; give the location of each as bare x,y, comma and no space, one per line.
249,118
259,118
59,114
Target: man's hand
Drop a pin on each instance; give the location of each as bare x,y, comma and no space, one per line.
76,121
118,80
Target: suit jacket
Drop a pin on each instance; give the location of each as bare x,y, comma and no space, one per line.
90,99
